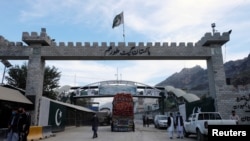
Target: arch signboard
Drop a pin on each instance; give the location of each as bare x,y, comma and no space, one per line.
111,87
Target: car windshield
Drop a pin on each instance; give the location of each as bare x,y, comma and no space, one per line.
207,116
163,118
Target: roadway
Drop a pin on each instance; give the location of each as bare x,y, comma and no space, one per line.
141,133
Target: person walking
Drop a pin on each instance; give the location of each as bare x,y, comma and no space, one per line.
24,124
13,133
95,123
170,126
179,125
235,117
147,120
144,120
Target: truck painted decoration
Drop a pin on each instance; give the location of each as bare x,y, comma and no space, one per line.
123,112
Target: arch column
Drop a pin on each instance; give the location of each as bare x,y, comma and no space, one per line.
215,66
216,74
35,71
34,83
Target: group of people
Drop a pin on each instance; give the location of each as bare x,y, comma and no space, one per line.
175,123
18,125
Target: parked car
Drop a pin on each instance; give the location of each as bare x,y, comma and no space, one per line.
197,123
160,121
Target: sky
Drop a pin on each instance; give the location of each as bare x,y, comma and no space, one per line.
144,21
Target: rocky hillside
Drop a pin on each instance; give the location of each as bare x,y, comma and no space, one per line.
237,73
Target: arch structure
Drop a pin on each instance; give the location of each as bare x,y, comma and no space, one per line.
39,47
111,87
180,94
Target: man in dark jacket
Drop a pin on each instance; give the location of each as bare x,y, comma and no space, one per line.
179,125
24,121
13,130
171,125
95,123
144,120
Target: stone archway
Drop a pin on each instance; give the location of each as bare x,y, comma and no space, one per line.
40,47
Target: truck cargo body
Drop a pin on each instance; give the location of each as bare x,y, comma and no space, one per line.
122,113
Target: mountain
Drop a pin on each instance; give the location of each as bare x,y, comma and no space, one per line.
195,79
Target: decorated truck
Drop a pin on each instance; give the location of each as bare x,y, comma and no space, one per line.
122,113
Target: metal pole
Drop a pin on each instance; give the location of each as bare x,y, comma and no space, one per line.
123,27
3,74
6,64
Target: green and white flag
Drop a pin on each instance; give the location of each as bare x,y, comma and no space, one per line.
118,20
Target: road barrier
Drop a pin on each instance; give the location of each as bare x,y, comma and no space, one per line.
47,131
39,132
35,133
3,133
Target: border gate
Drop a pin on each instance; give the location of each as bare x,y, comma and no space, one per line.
40,47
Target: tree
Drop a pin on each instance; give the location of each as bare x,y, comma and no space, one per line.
51,81
18,77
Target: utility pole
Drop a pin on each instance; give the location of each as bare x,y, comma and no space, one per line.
162,102
6,64
117,75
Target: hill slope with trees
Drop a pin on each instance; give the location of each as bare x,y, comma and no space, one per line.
195,79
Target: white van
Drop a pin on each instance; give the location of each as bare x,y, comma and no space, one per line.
160,121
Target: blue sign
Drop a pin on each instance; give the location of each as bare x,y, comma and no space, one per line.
112,90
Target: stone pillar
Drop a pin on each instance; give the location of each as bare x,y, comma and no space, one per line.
215,66
35,72
216,74
34,83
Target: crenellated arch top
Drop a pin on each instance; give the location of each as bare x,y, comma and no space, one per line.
34,38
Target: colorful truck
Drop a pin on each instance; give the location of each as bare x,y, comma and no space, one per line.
123,113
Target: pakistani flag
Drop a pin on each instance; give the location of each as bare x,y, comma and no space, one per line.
57,116
118,20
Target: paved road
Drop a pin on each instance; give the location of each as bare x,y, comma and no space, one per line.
104,134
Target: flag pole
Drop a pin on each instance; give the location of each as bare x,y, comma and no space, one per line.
123,29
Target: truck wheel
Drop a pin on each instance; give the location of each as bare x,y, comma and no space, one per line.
186,134
200,136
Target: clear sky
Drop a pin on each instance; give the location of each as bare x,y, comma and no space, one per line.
144,21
